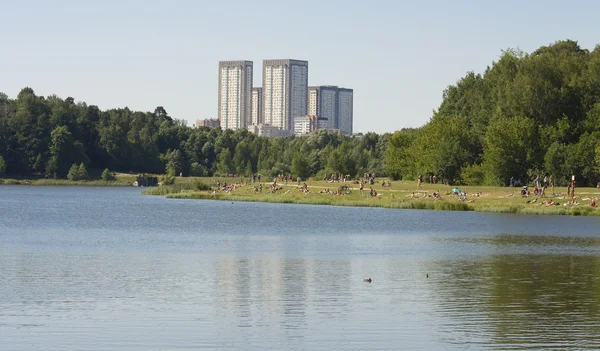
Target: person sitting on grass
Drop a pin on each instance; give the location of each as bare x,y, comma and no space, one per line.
593,203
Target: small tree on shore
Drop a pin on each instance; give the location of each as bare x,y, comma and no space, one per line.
83,173
2,166
169,178
107,176
78,172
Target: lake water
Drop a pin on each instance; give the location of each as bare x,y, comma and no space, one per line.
111,269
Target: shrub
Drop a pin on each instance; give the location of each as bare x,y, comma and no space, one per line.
107,175
198,170
78,172
169,178
201,186
83,173
2,166
473,174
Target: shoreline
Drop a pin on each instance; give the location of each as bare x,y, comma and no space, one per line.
64,182
399,200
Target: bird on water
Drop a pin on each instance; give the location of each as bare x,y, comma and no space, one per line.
367,280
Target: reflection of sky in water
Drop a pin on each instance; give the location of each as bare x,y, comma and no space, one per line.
108,269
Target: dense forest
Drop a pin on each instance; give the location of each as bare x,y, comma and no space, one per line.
46,136
526,115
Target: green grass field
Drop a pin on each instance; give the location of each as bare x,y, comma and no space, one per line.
402,195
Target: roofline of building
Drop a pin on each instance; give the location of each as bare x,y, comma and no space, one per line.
235,63
277,62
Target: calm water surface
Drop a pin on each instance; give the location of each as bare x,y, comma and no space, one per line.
110,269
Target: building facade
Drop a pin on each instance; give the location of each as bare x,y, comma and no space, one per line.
235,89
285,92
256,106
345,111
333,106
208,122
305,125
313,101
269,131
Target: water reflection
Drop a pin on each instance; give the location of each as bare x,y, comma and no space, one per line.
509,301
523,240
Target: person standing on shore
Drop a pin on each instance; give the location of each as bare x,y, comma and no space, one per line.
419,181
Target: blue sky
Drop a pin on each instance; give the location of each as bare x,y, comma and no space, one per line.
398,56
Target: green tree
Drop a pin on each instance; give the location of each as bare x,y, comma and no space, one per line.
301,166
107,175
198,170
169,177
225,165
510,149
175,161
2,166
83,173
399,160
60,151
74,173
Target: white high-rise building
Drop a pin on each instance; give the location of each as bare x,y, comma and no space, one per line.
256,106
285,92
345,110
235,89
313,101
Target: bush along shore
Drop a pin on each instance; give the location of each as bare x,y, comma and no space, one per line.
78,176
390,194
63,182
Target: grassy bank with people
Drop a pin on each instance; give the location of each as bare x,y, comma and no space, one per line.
399,194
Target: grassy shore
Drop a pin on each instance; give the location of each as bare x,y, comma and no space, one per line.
121,180
401,195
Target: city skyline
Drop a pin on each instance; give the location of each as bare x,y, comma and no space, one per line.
398,60
285,96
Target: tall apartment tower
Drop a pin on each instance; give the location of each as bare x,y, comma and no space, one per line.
345,113
256,106
333,106
322,102
235,89
285,92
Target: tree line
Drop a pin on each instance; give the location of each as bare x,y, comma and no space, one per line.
526,115
59,138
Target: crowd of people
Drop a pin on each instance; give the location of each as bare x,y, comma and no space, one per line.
366,183
228,188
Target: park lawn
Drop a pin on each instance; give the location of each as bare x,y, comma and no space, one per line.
403,195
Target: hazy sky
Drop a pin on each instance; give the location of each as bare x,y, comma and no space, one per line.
398,56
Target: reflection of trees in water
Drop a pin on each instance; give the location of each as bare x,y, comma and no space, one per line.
546,299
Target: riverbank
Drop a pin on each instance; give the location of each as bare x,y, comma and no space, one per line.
121,179
402,195
64,182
